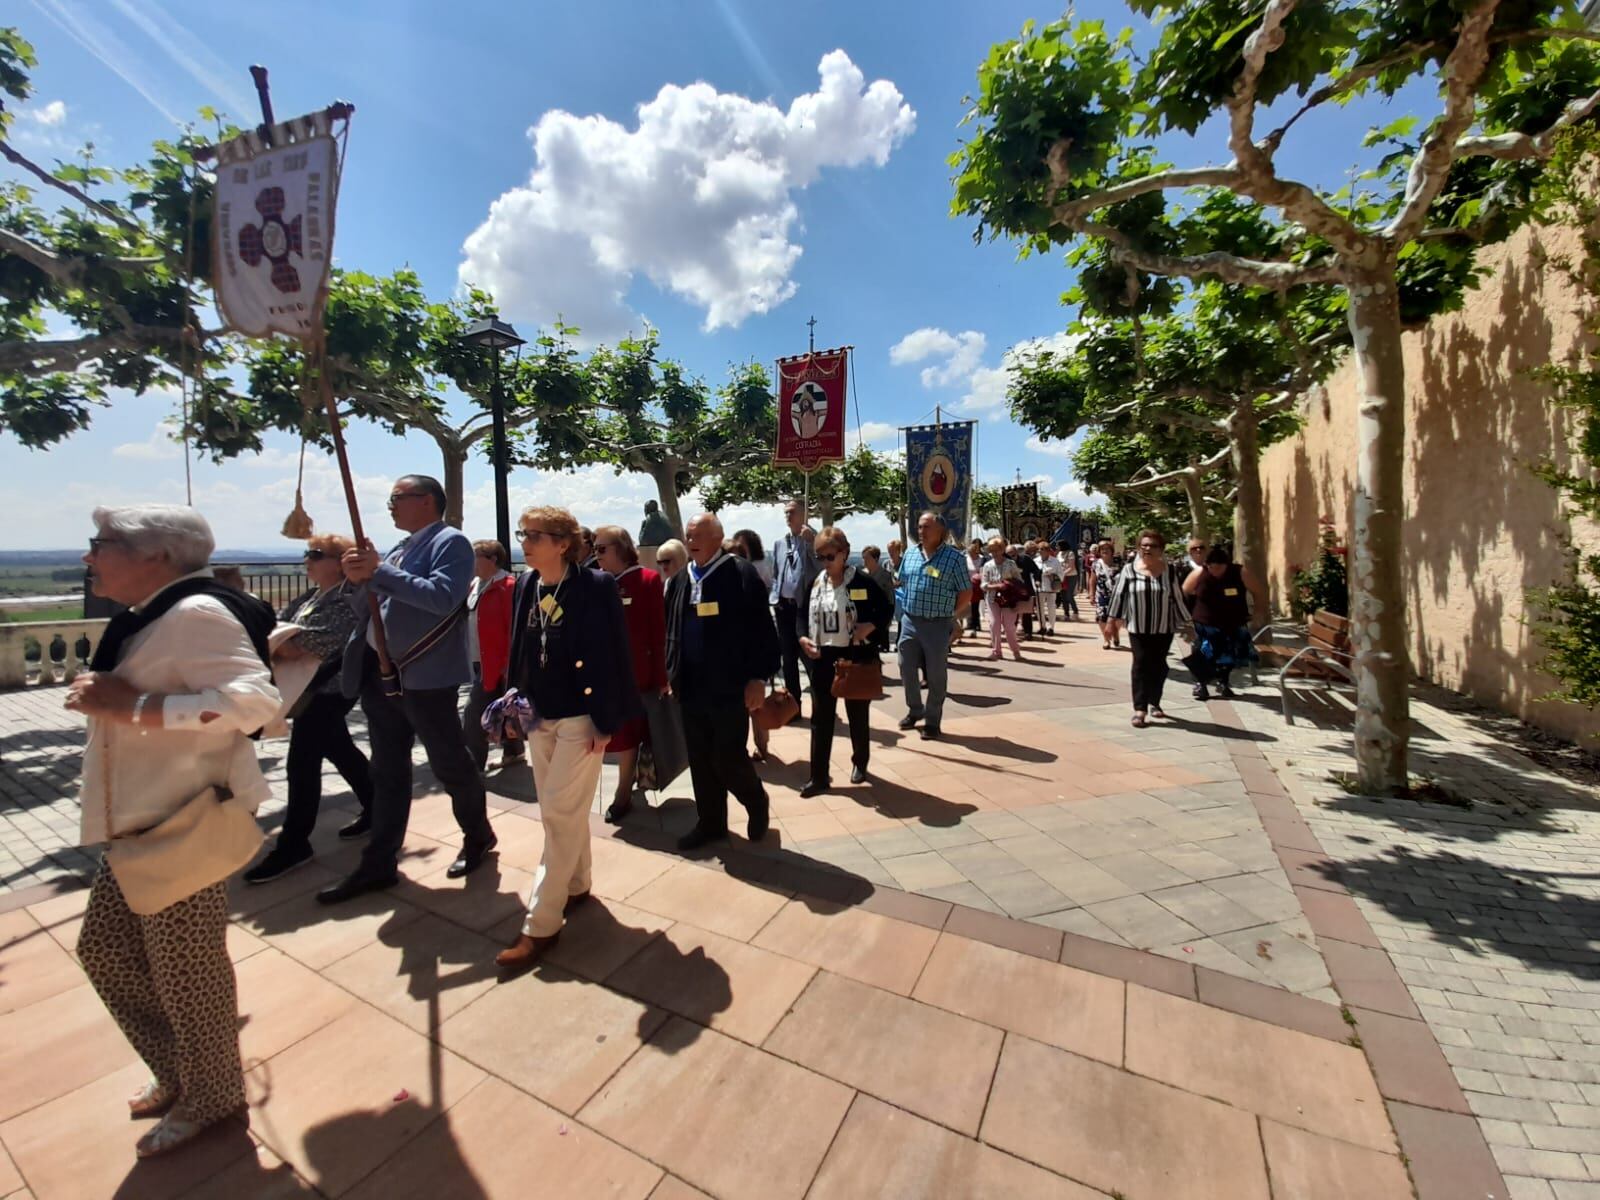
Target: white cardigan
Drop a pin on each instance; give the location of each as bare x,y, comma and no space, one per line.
202,659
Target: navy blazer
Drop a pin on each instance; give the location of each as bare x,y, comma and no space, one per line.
602,657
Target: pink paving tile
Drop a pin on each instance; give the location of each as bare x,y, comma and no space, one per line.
55,1046
735,988
1335,916
1448,1157
500,1142
10,1177
282,1001
814,826
1135,966
1118,1132
80,1146
883,1152
598,937
480,901
422,973
672,1188
1292,1077
1307,1166
721,1115
1065,1007
921,1058
33,966
847,941
1407,1061
710,900
1021,936
319,935
551,1034
328,1105
1365,978
257,1175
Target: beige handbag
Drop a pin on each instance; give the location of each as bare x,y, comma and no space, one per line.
201,844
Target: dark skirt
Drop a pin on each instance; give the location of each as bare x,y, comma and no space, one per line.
1219,651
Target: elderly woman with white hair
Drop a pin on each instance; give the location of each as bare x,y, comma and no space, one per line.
171,784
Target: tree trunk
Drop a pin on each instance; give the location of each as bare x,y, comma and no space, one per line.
455,487
1249,517
665,473
1199,518
1377,593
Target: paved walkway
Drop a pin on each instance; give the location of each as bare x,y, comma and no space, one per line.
1050,955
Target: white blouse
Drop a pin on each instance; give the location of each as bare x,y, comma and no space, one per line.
833,615
202,659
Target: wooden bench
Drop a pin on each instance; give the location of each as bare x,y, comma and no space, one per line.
1327,655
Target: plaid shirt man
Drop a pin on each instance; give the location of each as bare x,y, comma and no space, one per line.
930,585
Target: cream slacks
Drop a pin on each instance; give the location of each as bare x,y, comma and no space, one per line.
566,772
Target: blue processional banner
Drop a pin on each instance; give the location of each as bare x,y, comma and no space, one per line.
939,472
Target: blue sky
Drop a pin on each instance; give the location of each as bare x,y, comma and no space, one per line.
438,178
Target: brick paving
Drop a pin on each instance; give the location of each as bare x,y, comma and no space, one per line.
1488,908
1043,826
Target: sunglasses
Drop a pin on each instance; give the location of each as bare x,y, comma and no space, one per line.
314,556
828,557
396,497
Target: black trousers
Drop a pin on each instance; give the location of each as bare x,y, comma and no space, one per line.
825,715
787,613
396,724
320,734
1150,652
714,735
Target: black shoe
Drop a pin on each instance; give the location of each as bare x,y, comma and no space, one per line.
353,885
910,719
358,828
280,861
756,830
1200,692
930,733
470,859
813,787
701,836
573,902
1224,691
858,774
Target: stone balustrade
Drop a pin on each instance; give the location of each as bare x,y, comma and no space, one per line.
43,653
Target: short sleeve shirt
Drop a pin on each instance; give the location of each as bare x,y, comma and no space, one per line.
931,584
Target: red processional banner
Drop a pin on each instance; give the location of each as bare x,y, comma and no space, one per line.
811,409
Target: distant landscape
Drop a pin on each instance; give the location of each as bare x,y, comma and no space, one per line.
26,573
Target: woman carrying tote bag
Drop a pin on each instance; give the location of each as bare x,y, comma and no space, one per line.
170,781
848,627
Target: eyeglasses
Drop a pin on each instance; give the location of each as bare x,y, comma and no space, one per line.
600,547
533,535
96,542
396,497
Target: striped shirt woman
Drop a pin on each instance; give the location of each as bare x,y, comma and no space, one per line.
1148,599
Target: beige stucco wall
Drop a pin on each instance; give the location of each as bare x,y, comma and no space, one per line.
1481,529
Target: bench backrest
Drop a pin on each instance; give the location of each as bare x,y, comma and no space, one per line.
1331,632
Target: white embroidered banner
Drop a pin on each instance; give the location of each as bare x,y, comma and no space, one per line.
273,229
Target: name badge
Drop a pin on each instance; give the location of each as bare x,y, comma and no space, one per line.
627,600
1230,591
858,593
931,572
706,608
548,604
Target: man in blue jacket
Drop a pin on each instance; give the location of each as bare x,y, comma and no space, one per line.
421,587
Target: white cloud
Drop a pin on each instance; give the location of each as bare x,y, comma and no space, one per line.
158,447
880,433
959,354
1072,493
1055,449
48,115
698,197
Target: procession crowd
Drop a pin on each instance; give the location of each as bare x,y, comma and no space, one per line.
587,652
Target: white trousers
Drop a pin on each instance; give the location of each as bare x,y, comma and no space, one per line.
566,772
1047,611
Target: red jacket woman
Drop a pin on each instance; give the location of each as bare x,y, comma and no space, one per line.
644,611
494,630
489,620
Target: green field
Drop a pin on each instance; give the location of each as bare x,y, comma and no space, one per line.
41,580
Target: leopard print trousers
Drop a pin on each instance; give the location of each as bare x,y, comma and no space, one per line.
167,980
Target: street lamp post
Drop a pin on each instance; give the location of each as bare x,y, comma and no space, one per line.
496,335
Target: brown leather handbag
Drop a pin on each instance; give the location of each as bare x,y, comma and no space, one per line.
776,711
857,680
